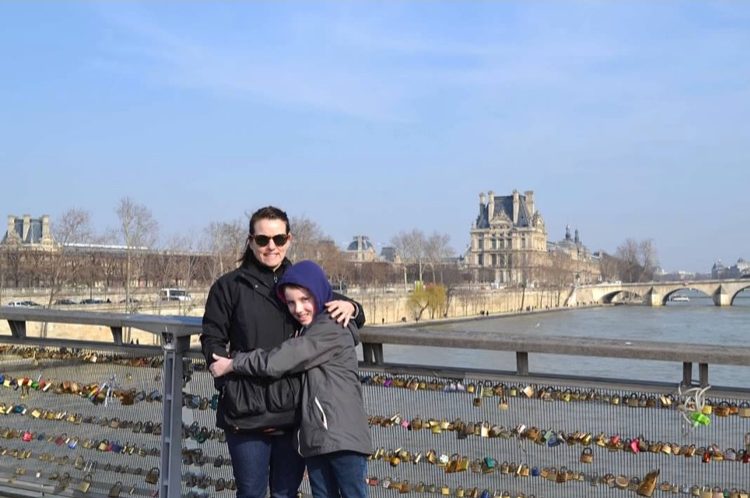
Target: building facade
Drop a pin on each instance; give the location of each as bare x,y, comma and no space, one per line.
29,233
508,238
509,246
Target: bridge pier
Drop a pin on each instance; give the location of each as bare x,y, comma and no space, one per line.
721,297
653,298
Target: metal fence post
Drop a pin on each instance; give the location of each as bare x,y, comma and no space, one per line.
170,478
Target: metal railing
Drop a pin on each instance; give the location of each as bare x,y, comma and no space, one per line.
488,415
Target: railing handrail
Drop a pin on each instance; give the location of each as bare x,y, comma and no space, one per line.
560,345
180,326
176,325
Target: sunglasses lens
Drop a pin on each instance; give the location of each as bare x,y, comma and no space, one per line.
263,240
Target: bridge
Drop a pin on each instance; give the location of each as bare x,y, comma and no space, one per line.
723,292
468,432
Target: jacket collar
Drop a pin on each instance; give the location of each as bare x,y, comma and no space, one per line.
255,272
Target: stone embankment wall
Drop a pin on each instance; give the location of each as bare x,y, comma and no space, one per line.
381,308
395,308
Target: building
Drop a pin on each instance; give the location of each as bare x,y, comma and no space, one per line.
29,233
739,270
509,245
508,238
361,250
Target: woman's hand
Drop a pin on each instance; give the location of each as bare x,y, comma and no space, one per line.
221,366
341,311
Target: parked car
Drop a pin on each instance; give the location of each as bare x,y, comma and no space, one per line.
132,301
65,302
93,300
174,295
25,304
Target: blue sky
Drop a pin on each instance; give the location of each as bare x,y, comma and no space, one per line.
627,119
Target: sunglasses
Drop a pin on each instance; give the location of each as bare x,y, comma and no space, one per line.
263,240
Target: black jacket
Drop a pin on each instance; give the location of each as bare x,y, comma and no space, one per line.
243,313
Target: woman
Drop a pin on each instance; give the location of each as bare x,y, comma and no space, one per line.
333,435
242,314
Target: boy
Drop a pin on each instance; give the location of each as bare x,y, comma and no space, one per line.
333,434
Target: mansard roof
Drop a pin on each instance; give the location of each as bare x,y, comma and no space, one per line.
503,207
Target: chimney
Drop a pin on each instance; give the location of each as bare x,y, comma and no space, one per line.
26,227
46,234
530,202
11,227
516,205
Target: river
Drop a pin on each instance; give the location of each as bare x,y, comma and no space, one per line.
697,322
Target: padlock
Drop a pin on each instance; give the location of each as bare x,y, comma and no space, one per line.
484,429
587,455
452,464
722,409
85,483
463,464
744,410
445,490
647,486
152,476
114,491
503,403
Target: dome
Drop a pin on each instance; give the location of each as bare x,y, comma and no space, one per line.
360,243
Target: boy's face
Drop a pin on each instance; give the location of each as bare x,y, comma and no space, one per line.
301,304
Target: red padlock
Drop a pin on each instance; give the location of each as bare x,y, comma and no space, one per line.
27,436
634,445
706,456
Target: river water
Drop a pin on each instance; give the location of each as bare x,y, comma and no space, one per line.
697,322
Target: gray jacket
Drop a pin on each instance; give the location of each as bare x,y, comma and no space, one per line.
332,412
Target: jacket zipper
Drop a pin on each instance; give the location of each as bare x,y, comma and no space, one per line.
324,419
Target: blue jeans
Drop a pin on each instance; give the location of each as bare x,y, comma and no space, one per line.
338,474
260,461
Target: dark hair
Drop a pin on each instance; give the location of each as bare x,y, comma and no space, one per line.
264,213
268,213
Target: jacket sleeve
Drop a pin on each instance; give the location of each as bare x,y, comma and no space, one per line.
216,322
294,355
359,312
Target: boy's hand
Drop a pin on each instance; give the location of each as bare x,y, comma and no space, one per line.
341,311
221,366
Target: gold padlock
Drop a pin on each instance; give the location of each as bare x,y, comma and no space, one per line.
85,484
445,490
452,464
647,486
744,410
707,409
587,455
463,464
503,403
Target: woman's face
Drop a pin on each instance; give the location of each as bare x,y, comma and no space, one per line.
301,304
270,254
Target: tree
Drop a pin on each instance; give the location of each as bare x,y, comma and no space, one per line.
224,240
308,237
138,230
638,260
424,297
437,250
64,265
411,246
